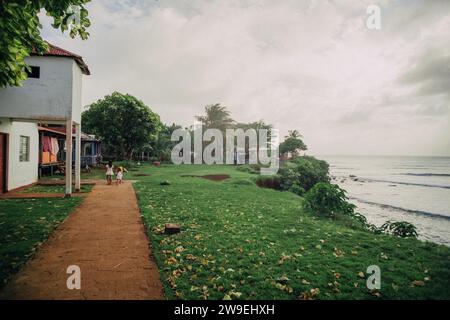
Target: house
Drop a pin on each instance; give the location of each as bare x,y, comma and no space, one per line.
50,96
52,151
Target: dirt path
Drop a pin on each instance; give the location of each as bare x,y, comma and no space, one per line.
105,238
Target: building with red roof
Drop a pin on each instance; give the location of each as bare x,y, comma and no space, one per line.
50,96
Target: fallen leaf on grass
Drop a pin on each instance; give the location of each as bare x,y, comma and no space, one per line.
375,293
191,257
338,253
418,283
311,295
284,257
284,287
171,260
283,279
179,249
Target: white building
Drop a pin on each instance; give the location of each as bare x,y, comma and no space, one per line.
50,95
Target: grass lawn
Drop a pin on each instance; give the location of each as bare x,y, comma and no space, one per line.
52,189
24,225
239,241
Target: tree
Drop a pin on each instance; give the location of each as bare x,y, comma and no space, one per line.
162,144
123,123
293,144
216,117
20,32
257,126
294,134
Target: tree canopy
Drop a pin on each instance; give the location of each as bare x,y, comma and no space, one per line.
216,117
123,123
293,143
20,32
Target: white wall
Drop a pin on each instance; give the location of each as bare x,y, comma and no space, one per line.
21,173
48,98
77,77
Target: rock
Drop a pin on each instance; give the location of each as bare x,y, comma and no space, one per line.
165,183
172,228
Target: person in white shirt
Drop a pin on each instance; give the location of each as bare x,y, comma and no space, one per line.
119,176
109,172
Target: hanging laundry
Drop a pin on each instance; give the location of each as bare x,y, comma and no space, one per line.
46,144
55,146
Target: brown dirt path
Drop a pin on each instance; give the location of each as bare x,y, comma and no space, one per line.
105,237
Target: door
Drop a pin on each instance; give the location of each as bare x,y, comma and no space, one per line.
3,162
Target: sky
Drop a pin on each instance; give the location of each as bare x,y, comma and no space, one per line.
308,65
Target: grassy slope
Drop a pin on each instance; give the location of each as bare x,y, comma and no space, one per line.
242,241
24,225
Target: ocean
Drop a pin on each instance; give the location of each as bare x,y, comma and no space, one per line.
413,189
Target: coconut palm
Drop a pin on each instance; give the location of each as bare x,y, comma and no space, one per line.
216,117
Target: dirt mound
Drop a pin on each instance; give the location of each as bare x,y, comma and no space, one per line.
216,177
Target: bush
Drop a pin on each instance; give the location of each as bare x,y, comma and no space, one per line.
401,229
301,174
271,182
327,199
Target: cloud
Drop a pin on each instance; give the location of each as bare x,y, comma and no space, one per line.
306,65
431,75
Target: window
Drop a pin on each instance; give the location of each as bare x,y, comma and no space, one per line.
24,149
34,73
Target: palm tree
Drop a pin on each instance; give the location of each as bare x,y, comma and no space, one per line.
293,144
294,134
217,117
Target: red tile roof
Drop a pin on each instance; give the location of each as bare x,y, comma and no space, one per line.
60,52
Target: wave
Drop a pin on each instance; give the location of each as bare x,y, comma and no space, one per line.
404,183
427,174
418,212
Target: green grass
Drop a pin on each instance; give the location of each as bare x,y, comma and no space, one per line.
241,241
52,189
24,225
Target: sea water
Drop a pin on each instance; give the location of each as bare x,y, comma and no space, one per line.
413,189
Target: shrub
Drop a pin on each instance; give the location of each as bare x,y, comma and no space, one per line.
303,173
401,229
271,182
295,188
327,199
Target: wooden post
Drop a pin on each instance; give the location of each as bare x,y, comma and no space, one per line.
69,158
172,228
77,157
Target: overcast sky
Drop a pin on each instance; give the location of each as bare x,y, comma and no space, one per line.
311,65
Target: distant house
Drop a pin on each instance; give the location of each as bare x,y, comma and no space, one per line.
50,96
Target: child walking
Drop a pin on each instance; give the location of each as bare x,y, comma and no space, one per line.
119,176
109,172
